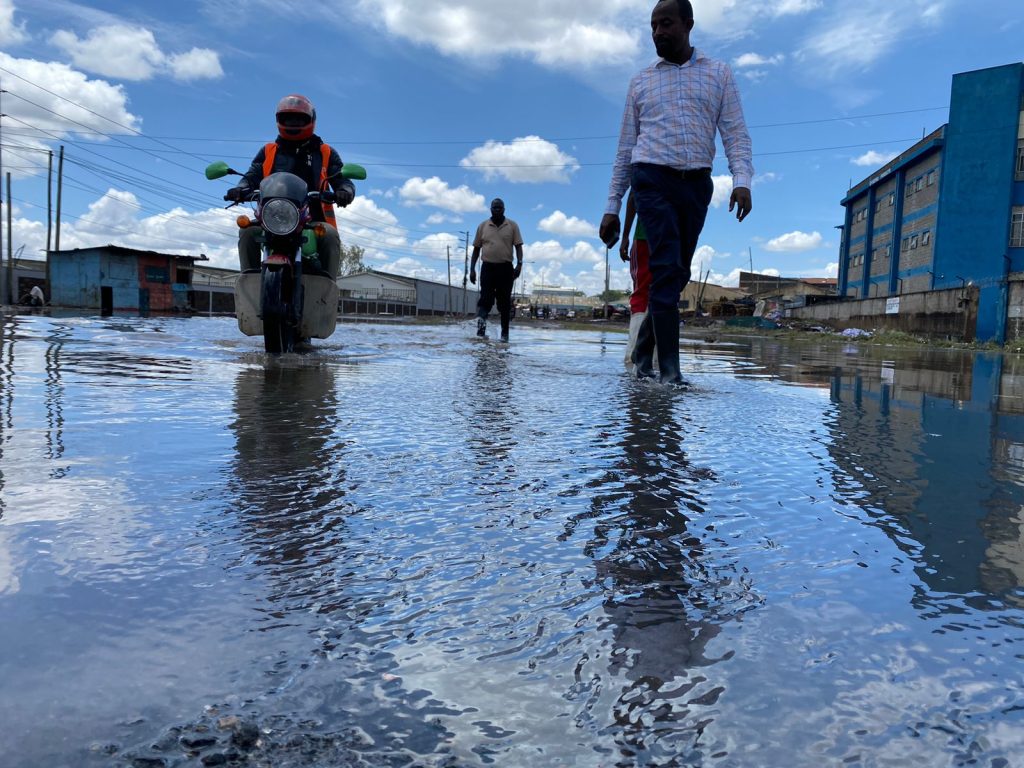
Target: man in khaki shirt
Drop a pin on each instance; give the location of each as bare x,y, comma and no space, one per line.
495,238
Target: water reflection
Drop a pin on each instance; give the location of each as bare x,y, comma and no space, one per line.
929,446
663,602
289,474
6,394
491,427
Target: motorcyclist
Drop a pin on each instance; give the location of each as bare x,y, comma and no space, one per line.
300,151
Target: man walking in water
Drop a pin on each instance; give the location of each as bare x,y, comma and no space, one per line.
674,107
495,239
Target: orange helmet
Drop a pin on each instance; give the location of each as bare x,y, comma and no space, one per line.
296,118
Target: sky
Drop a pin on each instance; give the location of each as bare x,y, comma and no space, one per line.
451,103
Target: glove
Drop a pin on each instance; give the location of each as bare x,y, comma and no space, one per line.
518,270
344,195
237,194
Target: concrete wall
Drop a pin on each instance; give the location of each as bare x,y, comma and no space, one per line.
939,314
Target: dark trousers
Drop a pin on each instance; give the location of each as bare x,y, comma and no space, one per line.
672,208
496,285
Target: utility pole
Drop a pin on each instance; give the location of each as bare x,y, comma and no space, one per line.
607,299
5,289
49,217
451,309
60,187
10,247
465,274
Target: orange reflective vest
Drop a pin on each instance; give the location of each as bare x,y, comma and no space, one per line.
270,151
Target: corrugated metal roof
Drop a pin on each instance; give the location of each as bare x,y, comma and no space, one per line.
120,249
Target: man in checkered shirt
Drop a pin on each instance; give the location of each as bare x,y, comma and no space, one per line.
666,147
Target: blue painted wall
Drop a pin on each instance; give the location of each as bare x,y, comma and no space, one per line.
972,232
77,277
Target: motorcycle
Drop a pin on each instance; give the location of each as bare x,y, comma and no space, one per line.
288,299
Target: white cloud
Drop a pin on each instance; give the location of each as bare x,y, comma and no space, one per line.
197,64
551,250
795,242
567,226
436,219
71,103
437,193
872,159
559,35
529,159
757,60
793,7
116,218
701,262
132,53
733,19
10,32
852,38
126,53
723,190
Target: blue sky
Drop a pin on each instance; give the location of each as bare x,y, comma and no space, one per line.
453,102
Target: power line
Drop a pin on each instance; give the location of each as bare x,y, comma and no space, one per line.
348,142
109,136
97,114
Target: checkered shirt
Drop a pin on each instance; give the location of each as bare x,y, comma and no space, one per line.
672,113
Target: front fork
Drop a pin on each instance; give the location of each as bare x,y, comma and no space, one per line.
281,293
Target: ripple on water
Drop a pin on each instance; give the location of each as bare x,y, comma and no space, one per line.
412,548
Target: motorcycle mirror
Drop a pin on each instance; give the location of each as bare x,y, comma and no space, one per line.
353,171
219,170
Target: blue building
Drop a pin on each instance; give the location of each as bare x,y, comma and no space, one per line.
949,211
112,278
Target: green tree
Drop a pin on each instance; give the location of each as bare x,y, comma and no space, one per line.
613,296
351,260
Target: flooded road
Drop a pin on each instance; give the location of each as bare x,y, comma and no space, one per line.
411,548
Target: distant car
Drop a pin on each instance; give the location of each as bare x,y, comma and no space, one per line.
615,311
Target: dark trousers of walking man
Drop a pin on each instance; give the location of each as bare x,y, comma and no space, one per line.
496,281
672,205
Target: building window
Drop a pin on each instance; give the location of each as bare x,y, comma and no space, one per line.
910,188
931,178
905,245
1020,160
892,199
913,242
1017,228
920,184
878,207
926,237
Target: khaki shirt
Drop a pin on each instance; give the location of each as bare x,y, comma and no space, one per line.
496,243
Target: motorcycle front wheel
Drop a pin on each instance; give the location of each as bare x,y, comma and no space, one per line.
278,334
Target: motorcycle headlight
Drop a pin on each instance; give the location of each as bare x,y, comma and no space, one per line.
280,217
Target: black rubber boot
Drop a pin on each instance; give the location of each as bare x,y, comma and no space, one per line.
666,335
481,327
643,352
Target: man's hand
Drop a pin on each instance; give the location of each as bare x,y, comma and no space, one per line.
624,249
472,275
740,200
609,231
344,195
518,269
237,194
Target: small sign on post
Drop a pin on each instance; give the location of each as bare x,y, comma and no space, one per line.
892,305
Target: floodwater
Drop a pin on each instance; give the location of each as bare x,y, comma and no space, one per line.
411,548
